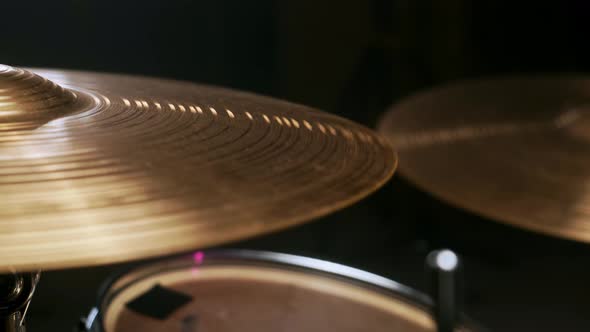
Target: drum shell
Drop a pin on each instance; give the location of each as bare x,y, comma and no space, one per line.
371,282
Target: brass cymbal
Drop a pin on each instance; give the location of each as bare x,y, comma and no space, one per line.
514,149
100,168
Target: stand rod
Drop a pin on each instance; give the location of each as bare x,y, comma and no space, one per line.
443,269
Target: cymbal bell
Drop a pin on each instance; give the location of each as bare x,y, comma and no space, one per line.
513,149
99,168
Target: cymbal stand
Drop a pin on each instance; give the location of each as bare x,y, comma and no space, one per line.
443,268
16,292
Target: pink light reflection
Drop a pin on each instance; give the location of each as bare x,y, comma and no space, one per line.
198,257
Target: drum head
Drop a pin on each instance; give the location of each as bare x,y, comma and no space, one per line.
253,291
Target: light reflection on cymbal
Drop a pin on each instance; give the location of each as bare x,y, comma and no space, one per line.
515,149
103,168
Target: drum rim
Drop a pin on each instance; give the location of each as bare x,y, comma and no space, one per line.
95,319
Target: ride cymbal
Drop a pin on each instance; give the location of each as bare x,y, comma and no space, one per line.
516,150
100,168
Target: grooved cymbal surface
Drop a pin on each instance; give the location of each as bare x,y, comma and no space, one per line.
113,168
513,149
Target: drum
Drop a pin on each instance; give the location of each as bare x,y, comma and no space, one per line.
247,291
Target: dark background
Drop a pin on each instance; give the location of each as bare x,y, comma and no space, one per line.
352,58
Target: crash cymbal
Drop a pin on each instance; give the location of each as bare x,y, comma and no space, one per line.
514,149
100,168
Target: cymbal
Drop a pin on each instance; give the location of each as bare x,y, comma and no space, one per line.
100,168
513,149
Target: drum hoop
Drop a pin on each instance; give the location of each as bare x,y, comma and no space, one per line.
95,321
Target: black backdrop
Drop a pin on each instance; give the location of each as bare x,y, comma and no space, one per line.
352,58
